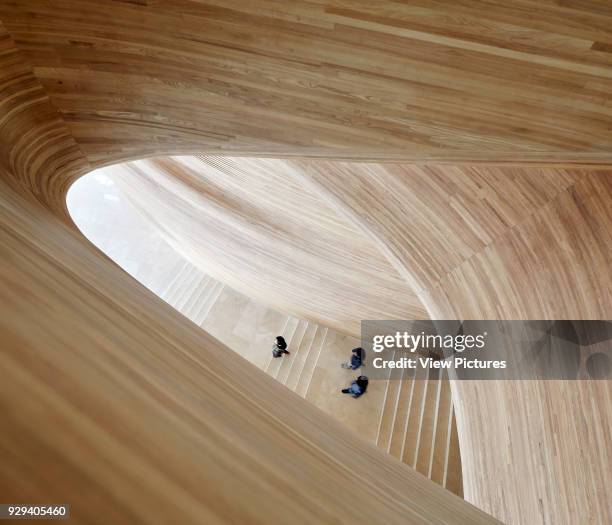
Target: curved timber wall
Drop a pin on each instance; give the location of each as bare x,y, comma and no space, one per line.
94,82
473,242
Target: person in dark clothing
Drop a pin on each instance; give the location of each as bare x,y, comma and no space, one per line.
357,358
358,387
280,347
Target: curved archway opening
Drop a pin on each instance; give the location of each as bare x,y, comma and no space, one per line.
149,216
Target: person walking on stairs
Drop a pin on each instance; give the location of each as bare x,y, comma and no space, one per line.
357,358
358,387
280,347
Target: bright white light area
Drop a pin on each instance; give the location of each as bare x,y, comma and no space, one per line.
107,218
101,178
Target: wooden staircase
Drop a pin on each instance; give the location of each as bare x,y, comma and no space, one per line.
418,427
194,294
191,292
304,341
416,418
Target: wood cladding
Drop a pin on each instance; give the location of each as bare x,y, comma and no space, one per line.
418,426
516,244
35,144
420,80
444,229
391,415
254,225
427,81
452,229
114,402
481,242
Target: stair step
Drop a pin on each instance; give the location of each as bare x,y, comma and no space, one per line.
275,363
197,311
385,426
400,421
427,436
194,287
415,415
270,358
293,346
311,362
299,359
442,432
173,287
201,289
215,294
453,480
163,290
416,422
211,294
260,346
184,288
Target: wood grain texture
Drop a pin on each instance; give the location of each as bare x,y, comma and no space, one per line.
444,229
105,401
487,243
419,80
516,244
452,229
114,402
425,80
36,147
254,225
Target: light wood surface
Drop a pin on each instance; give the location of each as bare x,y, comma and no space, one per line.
313,370
253,224
486,243
105,216
516,244
504,234
421,80
116,404
155,419
37,150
